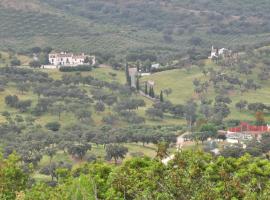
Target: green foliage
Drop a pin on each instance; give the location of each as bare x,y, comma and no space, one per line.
12,177
115,152
80,68
53,126
35,64
161,96
15,62
210,129
133,26
190,175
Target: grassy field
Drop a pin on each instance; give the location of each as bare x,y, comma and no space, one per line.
181,83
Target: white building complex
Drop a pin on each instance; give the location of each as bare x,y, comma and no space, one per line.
70,59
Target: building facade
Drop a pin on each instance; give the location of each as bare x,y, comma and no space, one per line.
70,59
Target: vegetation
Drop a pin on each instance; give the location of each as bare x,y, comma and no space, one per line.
170,28
81,68
149,120
219,85
192,174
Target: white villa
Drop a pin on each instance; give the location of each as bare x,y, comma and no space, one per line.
69,59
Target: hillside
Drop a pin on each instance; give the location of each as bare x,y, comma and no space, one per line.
164,27
46,103
247,80
134,99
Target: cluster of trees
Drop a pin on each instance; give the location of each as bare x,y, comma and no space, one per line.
254,107
190,175
134,57
41,56
149,90
187,111
14,102
67,95
23,75
32,143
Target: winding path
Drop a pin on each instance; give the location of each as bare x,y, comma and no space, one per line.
179,145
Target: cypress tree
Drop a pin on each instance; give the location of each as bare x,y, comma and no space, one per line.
161,96
138,84
128,78
146,89
150,91
138,66
129,81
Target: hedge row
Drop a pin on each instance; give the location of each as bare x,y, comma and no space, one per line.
81,68
155,70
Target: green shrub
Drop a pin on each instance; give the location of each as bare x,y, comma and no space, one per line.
80,68
53,126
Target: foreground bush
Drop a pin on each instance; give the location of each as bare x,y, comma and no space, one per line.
191,175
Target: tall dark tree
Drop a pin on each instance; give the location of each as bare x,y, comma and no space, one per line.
138,84
161,96
138,65
146,89
151,92
128,78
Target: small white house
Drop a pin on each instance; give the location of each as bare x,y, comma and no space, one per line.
155,66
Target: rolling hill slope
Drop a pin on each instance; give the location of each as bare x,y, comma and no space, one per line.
165,27
181,83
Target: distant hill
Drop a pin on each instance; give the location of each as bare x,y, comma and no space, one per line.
161,26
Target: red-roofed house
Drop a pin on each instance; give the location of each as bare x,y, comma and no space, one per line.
244,127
